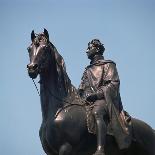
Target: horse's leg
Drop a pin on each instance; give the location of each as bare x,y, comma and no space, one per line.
65,149
44,142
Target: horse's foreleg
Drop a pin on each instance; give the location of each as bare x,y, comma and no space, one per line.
65,149
44,143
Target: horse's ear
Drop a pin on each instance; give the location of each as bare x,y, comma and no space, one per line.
32,35
46,33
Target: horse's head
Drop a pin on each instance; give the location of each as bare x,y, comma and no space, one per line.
38,53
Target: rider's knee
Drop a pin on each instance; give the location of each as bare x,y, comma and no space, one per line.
98,113
95,113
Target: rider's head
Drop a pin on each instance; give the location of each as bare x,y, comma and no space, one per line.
95,47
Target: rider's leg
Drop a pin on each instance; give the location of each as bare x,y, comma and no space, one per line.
99,111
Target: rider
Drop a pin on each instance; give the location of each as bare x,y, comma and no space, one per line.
100,86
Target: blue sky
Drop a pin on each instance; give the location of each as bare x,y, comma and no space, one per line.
126,27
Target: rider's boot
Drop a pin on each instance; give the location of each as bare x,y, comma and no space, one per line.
101,135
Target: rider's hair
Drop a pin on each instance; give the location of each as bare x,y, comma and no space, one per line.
96,43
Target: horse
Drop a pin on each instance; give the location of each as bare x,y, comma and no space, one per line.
64,128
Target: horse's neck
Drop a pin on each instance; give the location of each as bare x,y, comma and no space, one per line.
53,94
56,87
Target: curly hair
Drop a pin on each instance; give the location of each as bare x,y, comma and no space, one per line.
96,43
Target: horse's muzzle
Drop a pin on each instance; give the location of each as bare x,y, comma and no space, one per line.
32,70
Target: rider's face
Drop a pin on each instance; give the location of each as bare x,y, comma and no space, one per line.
91,51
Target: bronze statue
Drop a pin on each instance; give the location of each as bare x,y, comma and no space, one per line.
64,127
100,85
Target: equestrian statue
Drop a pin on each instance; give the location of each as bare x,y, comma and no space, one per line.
89,120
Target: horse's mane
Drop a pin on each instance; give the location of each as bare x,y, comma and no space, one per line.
64,81
64,85
60,64
61,69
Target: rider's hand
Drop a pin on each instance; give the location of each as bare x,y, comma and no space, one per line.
92,97
95,96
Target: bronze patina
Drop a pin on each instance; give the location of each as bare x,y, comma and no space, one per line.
64,127
100,86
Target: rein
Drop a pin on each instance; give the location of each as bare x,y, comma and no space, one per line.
36,87
50,93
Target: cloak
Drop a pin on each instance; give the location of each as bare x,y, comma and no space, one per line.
102,76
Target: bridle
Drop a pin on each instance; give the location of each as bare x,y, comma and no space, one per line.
36,87
51,94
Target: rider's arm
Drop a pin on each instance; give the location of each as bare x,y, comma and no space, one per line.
111,80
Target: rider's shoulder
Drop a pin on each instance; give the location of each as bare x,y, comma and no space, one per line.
102,62
109,62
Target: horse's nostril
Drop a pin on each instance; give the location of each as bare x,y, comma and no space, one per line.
32,66
28,66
